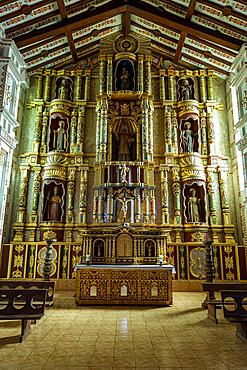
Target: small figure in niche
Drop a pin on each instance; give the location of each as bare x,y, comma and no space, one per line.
188,138
124,80
185,90
193,206
54,209
59,137
124,142
123,172
63,90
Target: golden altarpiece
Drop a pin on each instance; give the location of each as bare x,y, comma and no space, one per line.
129,160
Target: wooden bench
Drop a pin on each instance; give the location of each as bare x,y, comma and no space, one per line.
211,303
235,310
31,284
22,304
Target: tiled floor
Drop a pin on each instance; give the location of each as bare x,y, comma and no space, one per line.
122,338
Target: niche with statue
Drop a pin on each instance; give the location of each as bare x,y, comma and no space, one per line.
64,88
189,141
98,248
124,140
53,201
58,134
185,89
124,75
194,203
150,248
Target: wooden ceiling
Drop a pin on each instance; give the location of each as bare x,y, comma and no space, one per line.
192,33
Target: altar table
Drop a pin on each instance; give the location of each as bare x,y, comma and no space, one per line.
124,284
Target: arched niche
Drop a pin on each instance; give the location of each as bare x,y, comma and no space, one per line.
149,248
99,248
185,88
53,201
58,133
124,139
124,75
189,135
194,203
64,88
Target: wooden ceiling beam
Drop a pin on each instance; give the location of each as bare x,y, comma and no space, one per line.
15,13
39,44
214,46
70,24
48,62
220,8
72,46
213,56
126,23
176,23
62,9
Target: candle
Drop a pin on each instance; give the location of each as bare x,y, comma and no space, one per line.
161,259
87,259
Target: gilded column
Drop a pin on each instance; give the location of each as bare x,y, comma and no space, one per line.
145,129
47,85
44,131
172,94
224,196
109,73
140,73
164,196
162,86
23,194
71,192
210,130
83,195
146,213
202,87
39,85
78,87
152,207
95,206
212,195
176,196
109,152
98,133
80,129
37,129
148,77
138,144
110,206
100,207
36,194
203,122
87,85
138,207
168,128
73,124
174,132
210,86
102,77
103,129
150,131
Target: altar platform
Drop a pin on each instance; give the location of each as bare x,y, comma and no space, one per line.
124,284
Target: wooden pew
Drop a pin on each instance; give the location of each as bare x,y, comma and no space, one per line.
31,284
24,305
211,303
235,310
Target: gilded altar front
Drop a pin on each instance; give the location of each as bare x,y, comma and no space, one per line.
124,284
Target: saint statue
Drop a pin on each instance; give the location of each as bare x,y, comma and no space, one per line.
54,207
123,172
124,207
124,140
63,90
185,90
59,139
193,206
125,79
188,138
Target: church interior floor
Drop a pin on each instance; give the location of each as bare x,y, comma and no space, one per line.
124,338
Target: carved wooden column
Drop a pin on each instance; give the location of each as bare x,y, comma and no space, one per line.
145,129
202,86
44,131
23,194
100,207
103,129
87,84
138,144
172,93
102,75
203,123
36,194
73,124
152,207
37,129
150,131
146,213
176,196
164,196
78,86
110,206
224,196
210,86
71,192
109,73
210,130
39,85
148,78
80,129
137,206
83,195
162,85
140,73
95,206
47,85
168,128
174,132
212,195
